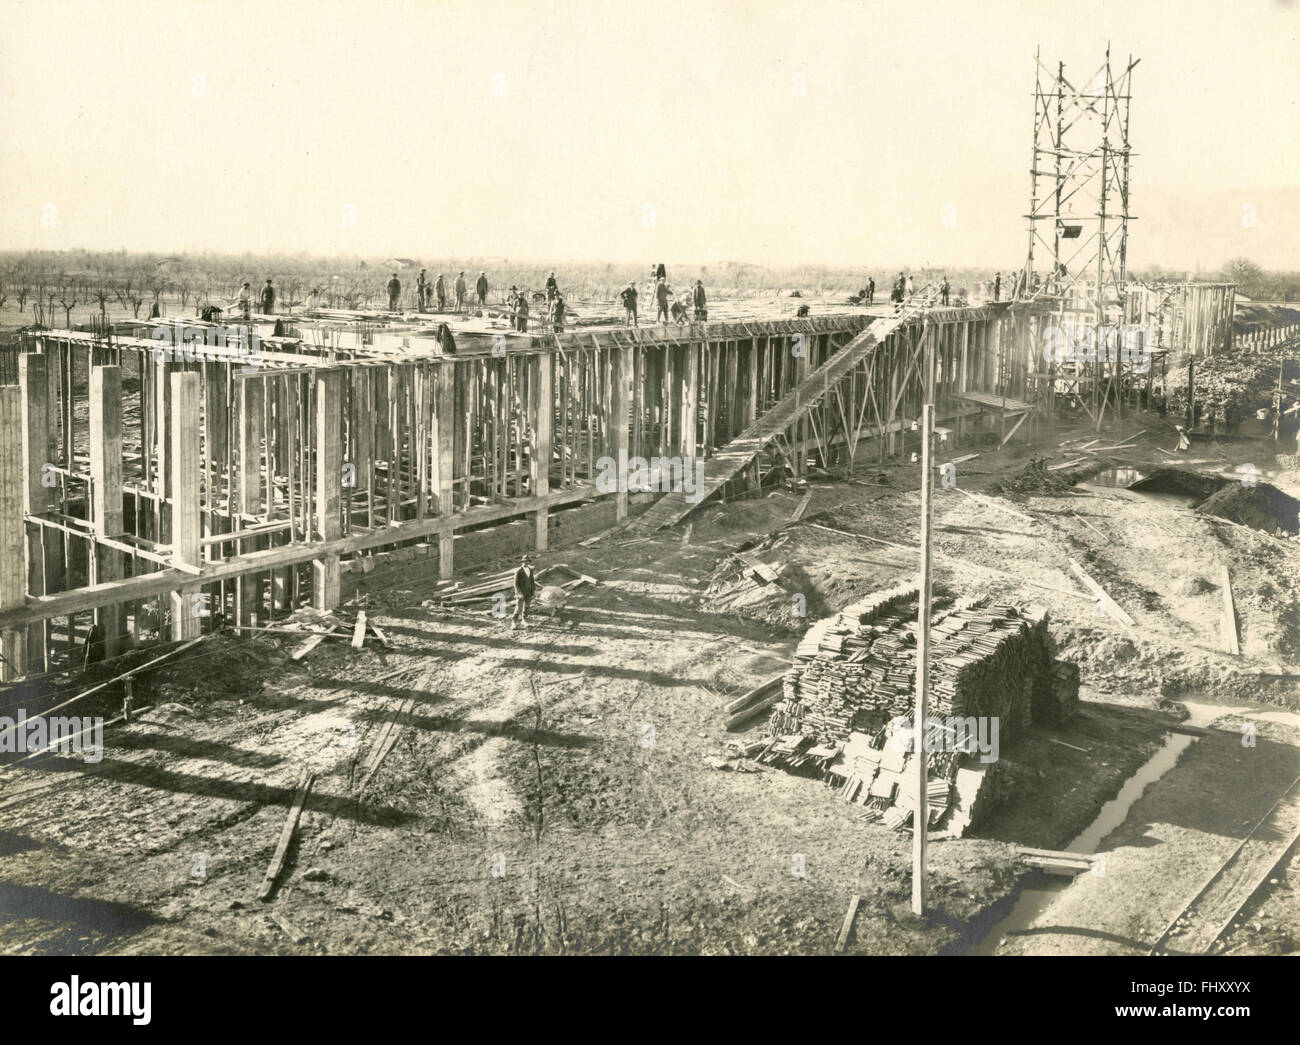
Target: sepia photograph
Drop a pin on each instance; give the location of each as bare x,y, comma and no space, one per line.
717,478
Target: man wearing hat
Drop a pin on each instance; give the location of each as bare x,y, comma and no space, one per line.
629,302
525,586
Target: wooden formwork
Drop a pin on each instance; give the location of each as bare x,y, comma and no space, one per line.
150,485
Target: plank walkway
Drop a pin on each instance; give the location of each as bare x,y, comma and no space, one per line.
738,454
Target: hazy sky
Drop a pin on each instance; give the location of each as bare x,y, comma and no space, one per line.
627,132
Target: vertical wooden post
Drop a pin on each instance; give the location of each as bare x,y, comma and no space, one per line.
33,375
251,424
182,435
329,468
13,582
540,404
445,462
921,813
690,403
106,489
620,377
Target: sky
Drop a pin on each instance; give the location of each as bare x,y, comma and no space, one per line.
818,132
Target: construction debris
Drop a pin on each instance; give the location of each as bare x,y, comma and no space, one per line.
286,836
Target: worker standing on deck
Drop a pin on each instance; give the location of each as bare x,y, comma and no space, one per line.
461,290
871,290
552,288
661,297
394,292
911,289
421,291
521,312
481,288
700,302
557,313
244,300
943,291
997,286
440,289
629,303
525,585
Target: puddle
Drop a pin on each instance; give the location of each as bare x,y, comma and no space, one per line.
1041,888
1120,477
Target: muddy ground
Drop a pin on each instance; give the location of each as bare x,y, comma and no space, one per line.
564,788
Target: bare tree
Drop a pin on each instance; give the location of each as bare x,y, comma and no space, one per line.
67,298
1246,274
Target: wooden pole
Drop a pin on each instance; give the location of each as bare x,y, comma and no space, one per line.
921,813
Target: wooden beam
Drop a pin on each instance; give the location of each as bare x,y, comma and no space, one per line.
286,836
1229,624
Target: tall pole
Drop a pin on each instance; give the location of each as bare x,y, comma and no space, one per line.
921,821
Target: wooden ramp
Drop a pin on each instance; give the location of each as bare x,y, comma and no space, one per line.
738,454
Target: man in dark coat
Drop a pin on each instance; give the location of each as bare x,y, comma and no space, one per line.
525,586
661,298
268,298
481,288
394,292
629,303
701,304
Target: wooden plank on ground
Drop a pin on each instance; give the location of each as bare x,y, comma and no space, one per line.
385,741
761,690
312,643
847,927
1111,605
286,836
359,630
1230,644
801,507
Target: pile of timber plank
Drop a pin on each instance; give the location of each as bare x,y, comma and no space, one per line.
851,690
855,669
484,588
878,773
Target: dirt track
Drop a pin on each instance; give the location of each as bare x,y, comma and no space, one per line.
555,789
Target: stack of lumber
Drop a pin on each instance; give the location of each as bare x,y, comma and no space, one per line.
851,663
459,594
879,774
989,662
845,706
855,669
977,791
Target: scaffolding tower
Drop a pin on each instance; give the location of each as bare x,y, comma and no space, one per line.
1078,217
